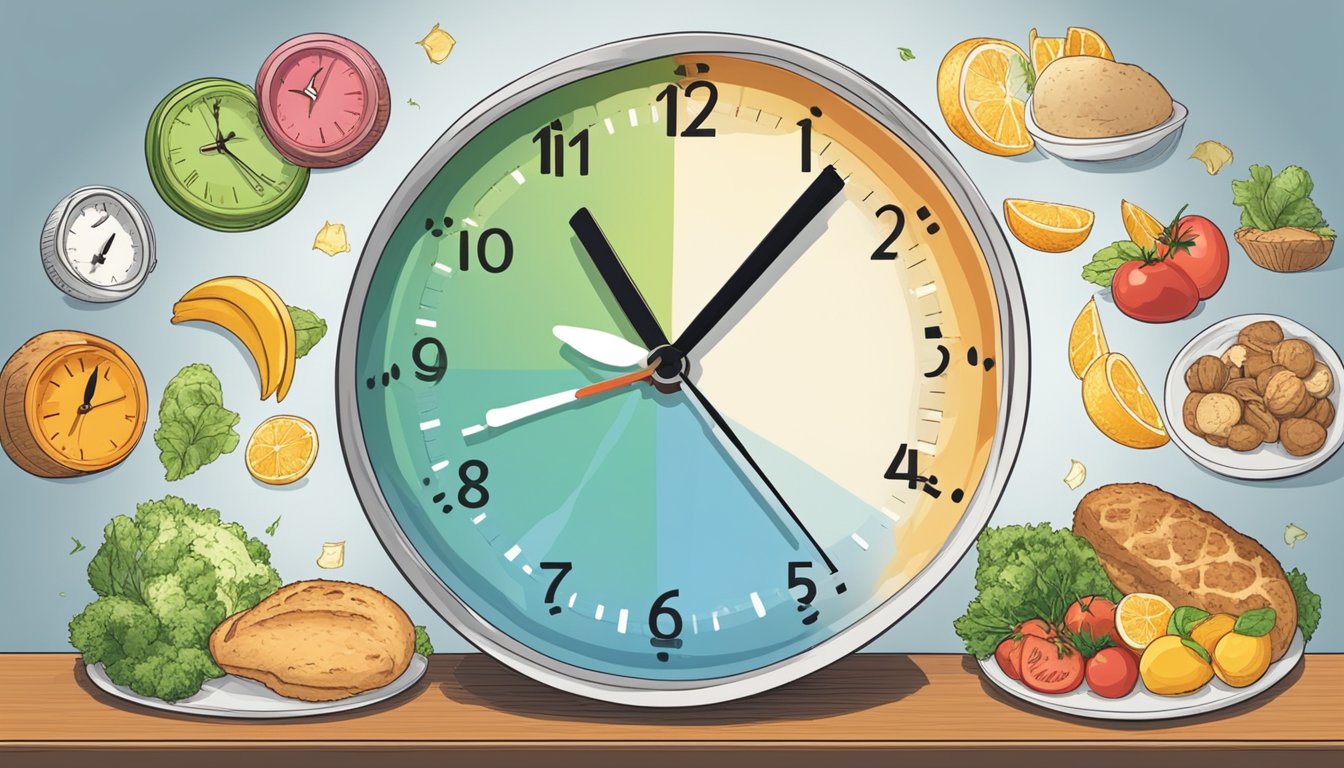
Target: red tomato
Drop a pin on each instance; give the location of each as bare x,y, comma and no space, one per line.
1051,666
1091,616
1196,245
1112,673
1009,653
1157,292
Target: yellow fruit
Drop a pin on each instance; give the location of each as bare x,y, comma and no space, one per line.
1087,342
1240,660
269,317
1169,667
1141,618
234,320
1209,631
1049,227
1120,406
1044,50
982,94
1141,226
1081,41
281,450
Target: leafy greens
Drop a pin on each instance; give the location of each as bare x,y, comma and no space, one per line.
1269,201
308,330
1101,270
194,426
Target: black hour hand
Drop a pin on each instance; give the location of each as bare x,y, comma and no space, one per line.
618,281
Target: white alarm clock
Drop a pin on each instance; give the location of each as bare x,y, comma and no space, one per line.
98,245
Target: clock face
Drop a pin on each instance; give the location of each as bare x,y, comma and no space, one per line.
324,100
626,541
103,243
211,161
86,406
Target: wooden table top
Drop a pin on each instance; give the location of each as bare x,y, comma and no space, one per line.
868,705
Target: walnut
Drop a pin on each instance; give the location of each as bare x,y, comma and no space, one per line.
1296,355
1216,413
1243,389
1302,410
1256,363
1235,356
1217,441
1262,381
1319,382
1188,412
1207,374
1244,437
1323,413
1261,337
1257,415
1285,394
1302,437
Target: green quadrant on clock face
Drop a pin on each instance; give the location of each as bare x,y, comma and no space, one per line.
631,488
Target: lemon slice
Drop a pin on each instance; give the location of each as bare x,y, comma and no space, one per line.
1119,404
982,92
1044,50
1087,342
281,450
1141,226
1081,41
1141,618
1048,227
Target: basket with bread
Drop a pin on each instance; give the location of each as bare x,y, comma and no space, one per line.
1148,597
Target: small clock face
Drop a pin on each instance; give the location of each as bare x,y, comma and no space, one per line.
86,406
625,542
103,243
324,100
211,161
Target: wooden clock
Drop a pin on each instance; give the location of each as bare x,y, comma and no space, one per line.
74,404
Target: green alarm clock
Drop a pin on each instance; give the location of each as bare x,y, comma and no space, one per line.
211,161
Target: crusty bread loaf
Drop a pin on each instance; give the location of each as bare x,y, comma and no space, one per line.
317,641
1151,541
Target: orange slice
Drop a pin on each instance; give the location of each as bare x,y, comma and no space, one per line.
281,450
1087,342
1043,50
1141,618
1118,403
1142,227
982,94
1049,227
1081,41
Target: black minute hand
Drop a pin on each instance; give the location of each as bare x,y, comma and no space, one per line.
807,207
617,279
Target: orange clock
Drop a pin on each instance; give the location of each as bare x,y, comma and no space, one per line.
74,403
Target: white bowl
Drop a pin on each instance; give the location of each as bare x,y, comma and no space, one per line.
1111,147
1269,461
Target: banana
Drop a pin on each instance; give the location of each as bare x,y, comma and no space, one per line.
232,319
254,301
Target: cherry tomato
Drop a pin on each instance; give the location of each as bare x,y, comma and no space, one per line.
1091,616
1112,672
1156,292
1198,247
1050,666
1009,653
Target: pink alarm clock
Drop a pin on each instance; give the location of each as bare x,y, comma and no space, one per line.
323,100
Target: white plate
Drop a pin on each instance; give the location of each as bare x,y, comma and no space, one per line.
230,696
1142,705
1269,461
1111,147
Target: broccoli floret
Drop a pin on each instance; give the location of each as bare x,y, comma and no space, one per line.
167,578
422,644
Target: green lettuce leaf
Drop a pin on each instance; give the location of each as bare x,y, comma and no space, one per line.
1269,201
308,330
194,426
1308,603
1104,262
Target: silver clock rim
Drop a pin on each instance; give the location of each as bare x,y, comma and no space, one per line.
1014,362
57,264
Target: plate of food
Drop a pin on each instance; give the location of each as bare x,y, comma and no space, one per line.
1092,109
1255,397
191,618
1096,621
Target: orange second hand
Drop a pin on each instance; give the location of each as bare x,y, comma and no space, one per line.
616,383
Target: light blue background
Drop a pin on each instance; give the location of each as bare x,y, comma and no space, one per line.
83,77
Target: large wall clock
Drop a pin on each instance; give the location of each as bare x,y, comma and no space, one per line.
682,367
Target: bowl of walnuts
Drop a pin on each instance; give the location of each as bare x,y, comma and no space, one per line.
1256,397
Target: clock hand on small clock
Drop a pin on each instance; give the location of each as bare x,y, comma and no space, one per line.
254,179
309,90
90,387
618,281
106,402
101,256
804,210
508,414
